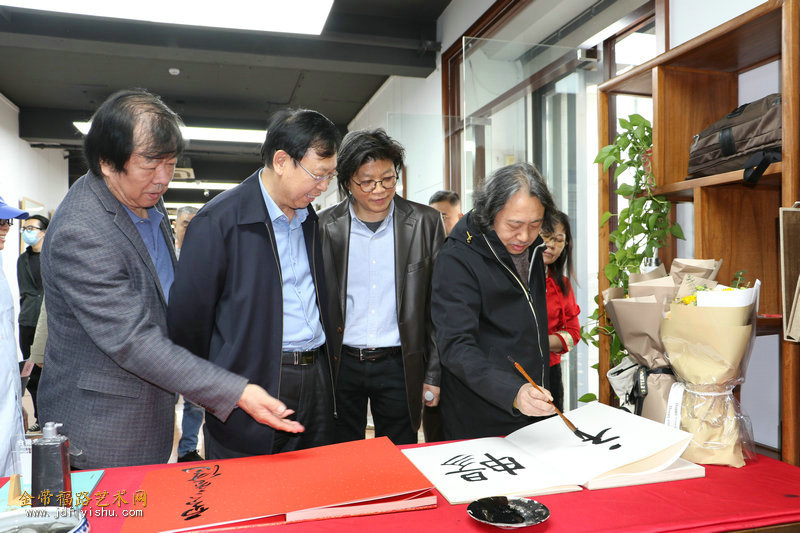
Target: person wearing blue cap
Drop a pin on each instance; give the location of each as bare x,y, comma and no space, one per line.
11,425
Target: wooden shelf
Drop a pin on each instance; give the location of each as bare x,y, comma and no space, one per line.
691,87
769,325
683,191
749,40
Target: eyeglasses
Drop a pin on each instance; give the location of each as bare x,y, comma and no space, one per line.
316,178
558,239
6,221
31,228
369,185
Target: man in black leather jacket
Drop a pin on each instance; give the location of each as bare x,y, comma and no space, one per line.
379,250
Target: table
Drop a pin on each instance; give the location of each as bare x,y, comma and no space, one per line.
763,493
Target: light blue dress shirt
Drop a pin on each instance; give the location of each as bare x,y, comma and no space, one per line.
150,230
371,315
302,329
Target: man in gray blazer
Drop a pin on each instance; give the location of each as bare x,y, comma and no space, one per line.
379,251
110,370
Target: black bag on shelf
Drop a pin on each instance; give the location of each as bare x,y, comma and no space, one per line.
749,137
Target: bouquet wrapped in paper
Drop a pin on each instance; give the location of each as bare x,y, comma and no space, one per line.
637,321
708,337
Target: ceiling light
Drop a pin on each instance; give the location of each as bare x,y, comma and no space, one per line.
205,134
297,16
174,71
202,185
223,134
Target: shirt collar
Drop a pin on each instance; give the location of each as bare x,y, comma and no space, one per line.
274,211
386,221
153,214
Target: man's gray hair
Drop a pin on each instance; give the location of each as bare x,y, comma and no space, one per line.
185,211
501,185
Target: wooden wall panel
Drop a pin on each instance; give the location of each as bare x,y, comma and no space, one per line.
604,191
740,225
790,351
687,101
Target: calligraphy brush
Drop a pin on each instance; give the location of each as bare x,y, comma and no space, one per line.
569,424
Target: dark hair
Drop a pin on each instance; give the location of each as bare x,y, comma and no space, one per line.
295,131
563,265
44,220
127,120
450,197
501,185
363,146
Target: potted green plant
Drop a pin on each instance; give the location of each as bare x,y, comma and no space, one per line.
643,226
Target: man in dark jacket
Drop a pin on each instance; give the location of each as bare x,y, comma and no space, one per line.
249,290
29,279
489,303
379,249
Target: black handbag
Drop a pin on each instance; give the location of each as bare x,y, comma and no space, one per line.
749,137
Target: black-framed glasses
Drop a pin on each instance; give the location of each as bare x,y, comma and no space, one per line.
556,238
6,221
369,185
316,178
31,228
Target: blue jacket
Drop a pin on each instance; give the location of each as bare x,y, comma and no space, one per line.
226,303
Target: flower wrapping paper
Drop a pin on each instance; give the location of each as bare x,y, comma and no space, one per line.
708,346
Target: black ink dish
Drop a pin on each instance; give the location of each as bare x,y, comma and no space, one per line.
508,513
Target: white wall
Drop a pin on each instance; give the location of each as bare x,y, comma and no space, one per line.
690,18
38,174
410,109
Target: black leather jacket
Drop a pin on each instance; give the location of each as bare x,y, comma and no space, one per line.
418,237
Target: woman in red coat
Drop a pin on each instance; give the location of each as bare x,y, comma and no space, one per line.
562,310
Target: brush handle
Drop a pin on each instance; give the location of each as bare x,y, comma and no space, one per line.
569,424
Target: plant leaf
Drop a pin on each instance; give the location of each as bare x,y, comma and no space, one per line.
676,230
622,167
625,189
608,161
611,271
607,215
638,120
588,397
603,153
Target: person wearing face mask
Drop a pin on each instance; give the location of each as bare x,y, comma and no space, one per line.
29,279
562,310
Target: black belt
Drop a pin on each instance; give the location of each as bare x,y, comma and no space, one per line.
371,354
299,358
